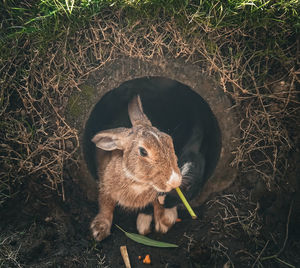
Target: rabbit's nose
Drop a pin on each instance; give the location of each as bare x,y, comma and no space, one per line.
174,180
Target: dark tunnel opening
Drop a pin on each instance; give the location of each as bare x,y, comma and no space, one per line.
171,106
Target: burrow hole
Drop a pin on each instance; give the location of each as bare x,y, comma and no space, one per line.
171,106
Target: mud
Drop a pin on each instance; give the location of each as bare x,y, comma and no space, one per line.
245,226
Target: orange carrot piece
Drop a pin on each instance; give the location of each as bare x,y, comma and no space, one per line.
147,259
178,220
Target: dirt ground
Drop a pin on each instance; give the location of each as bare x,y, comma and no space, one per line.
245,226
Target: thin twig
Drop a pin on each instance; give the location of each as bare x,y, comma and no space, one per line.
275,256
262,251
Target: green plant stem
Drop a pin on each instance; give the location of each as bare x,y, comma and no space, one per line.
185,202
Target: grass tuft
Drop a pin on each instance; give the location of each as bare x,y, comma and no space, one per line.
48,48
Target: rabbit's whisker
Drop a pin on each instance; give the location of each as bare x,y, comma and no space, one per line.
185,168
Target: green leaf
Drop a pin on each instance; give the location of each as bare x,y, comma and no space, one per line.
147,241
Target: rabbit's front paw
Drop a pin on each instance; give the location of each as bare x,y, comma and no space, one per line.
100,228
166,219
143,223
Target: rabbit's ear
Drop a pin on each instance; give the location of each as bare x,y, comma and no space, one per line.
112,139
136,114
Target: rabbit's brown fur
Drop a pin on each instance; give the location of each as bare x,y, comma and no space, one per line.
134,165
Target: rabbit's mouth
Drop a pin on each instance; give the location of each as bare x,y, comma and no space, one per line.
174,181
162,191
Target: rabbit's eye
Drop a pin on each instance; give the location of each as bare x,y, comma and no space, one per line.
143,151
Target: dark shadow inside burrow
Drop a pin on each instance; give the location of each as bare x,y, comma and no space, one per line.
171,106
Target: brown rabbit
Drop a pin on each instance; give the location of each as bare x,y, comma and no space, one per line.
135,165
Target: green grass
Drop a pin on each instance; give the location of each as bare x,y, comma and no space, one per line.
43,21
29,18
46,20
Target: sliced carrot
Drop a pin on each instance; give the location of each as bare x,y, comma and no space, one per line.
147,259
178,220
140,257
